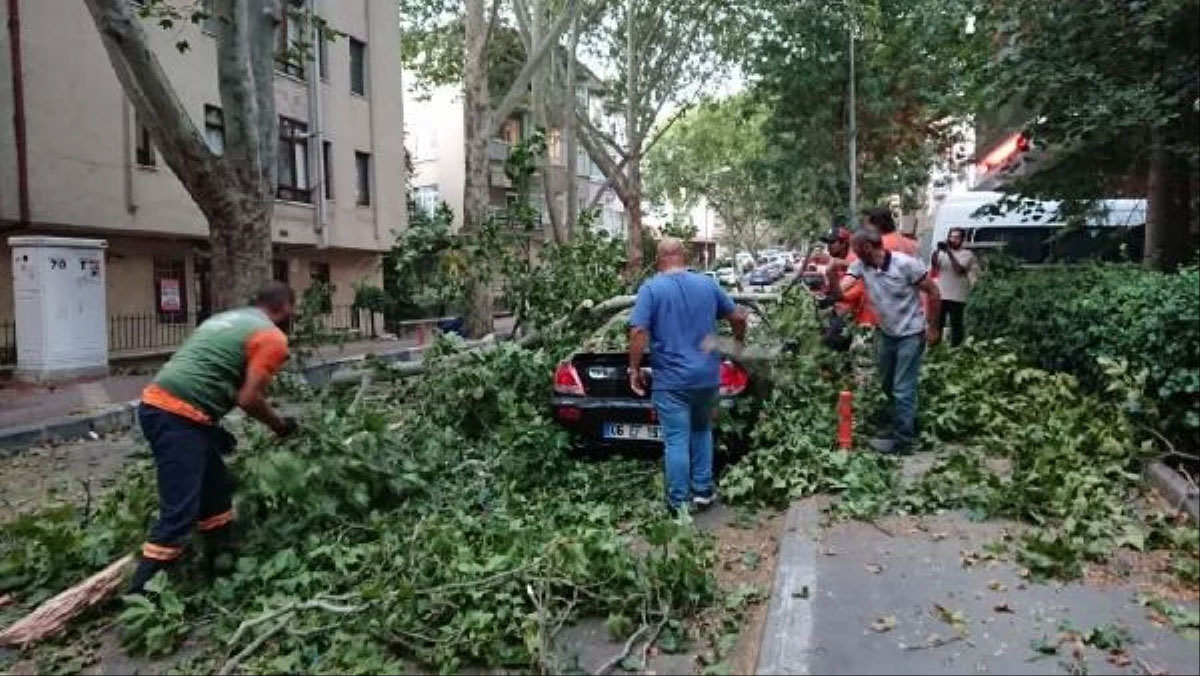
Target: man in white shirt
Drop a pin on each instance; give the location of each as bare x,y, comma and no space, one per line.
956,269
894,282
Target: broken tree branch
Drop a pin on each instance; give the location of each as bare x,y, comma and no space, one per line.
616,659
53,616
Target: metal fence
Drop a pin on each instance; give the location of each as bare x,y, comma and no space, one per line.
135,334
8,342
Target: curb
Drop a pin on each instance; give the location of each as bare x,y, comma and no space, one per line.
1171,485
123,416
111,419
784,647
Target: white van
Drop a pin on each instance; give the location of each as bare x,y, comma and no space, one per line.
1035,235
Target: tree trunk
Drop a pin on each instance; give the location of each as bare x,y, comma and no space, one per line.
477,125
539,102
633,214
239,237
235,191
1169,240
568,132
633,200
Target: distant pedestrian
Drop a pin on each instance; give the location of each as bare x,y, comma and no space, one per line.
894,282
956,270
228,361
676,315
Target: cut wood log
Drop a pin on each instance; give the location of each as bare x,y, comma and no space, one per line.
55,614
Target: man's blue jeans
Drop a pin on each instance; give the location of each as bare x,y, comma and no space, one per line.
686,419
899,362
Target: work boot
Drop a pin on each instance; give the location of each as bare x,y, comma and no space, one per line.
146,569
218,552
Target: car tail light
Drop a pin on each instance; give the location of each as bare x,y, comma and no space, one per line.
566,380
734,379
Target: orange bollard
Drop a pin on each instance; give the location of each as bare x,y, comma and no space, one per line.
845,413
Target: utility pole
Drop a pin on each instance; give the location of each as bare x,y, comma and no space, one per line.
852,131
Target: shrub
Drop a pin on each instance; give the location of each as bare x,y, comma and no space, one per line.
1068,319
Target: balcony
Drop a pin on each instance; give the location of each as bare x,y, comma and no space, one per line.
497,150
499,179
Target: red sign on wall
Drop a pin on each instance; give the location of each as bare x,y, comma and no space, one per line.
169,297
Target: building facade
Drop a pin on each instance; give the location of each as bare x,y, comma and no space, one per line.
434,127
91,170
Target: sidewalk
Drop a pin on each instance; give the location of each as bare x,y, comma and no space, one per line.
851,598
22,404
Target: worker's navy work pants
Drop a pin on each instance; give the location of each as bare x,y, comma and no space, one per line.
194,490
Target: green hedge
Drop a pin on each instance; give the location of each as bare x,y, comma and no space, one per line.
1066,318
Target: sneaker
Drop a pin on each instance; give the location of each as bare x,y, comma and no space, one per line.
704,500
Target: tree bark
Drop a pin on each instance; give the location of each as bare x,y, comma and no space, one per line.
539,96
569,103
633,200
477,129
1169,240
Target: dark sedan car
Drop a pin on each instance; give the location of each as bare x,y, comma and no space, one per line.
593,400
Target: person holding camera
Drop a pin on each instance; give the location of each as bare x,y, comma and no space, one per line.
228,361
956,270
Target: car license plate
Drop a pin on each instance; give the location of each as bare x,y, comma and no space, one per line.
632,432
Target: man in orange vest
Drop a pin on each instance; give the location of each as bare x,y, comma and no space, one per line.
882,220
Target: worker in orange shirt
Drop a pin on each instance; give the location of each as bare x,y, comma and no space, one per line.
854,301
881,219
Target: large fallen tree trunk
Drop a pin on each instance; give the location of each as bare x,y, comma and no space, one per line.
586,311
53,616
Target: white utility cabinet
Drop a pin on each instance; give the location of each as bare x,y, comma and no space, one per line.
60,299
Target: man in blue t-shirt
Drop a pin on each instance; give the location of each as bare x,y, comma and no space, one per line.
676,313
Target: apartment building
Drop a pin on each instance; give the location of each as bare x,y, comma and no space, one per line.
91,170
434,127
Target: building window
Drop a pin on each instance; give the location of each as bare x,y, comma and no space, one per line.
145,148
293,161
279,270
554,147
583,163
211,23
318,276
289,47
426,199
170,291
362,168
327,162
358,67
214,129
510,131
323,57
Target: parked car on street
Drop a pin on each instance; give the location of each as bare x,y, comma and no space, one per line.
592,398
727,276
761,276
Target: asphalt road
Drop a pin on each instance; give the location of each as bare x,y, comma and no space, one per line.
852,599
